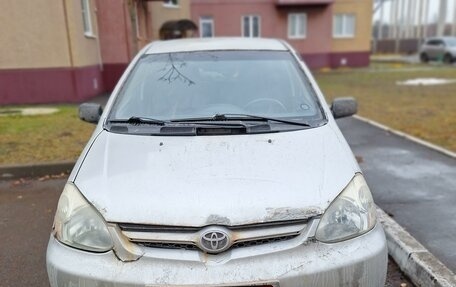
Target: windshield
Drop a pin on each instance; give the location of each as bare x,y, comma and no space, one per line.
189,85
451,42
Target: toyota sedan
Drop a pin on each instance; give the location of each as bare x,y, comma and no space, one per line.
217,162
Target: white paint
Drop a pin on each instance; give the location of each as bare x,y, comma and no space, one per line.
425,82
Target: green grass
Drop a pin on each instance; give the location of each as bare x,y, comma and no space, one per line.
428,112
44,138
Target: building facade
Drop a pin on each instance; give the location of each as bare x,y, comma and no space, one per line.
47,53
327,33
72,50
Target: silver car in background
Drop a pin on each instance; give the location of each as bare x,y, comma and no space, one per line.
217,162
439,49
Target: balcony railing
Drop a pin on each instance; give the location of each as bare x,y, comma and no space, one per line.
285,3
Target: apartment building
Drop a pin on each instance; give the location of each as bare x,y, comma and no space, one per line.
71,50
327,33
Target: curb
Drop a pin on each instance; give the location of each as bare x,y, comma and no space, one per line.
420,265
407,136
35,170
423,268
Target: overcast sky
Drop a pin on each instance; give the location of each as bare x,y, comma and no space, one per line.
431,15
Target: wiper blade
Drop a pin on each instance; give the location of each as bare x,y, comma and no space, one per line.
139,120
240,117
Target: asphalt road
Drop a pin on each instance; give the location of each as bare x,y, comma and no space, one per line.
26,212
412,183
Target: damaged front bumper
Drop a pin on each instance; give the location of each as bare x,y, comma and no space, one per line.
360,261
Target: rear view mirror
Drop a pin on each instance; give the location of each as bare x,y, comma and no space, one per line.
344,107
90,112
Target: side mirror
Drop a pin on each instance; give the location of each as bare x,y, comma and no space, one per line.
90,112
344,107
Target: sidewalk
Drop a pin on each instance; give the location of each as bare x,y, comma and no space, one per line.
412,183
395,58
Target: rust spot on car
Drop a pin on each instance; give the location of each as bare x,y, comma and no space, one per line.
218,220
289,213
359,159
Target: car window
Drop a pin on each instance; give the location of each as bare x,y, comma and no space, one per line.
451,42
200,84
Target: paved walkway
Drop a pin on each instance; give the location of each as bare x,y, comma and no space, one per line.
414,184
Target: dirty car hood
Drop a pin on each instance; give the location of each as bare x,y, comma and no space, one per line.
204,180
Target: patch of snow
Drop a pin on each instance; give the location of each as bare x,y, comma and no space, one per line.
425,82
38,111
28,111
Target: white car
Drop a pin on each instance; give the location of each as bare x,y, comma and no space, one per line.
439,49
217,162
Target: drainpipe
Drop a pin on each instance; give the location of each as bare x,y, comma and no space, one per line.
133,15
70,50
97,38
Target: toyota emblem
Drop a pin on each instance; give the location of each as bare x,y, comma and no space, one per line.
215,240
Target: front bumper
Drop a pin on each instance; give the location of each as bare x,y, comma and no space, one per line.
357,262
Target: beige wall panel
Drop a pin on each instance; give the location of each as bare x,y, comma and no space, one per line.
84,48
32,34
362,40
160,14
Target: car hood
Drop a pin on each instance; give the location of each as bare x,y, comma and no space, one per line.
204,180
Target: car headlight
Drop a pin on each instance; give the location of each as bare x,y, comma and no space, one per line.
78,224
351,214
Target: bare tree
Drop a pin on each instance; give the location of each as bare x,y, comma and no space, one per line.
172,72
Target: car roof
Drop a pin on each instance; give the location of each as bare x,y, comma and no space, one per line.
214,44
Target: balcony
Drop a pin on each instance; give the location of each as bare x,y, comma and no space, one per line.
302,3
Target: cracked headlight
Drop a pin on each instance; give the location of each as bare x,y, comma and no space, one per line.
78,224
351,214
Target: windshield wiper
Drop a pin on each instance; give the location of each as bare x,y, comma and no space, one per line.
240,117
139,120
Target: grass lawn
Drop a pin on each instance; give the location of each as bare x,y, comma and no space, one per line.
428,112
44,138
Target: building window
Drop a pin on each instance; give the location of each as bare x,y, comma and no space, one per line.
171,3
251,26
206,27
297,25
85,6
344,26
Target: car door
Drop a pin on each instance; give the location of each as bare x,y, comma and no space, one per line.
431,49
439,49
